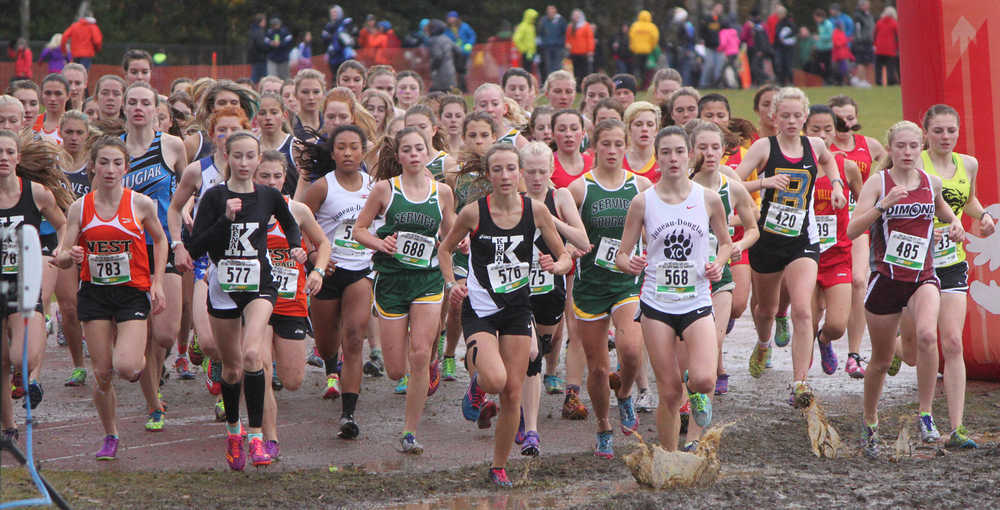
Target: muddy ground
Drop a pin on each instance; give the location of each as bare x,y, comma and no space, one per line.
766,458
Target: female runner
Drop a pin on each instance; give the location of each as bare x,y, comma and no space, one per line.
601,292
790,164
271,120
379,104
55,93
489,98
452,110
958,174
567,132
540,125
519,85
424,119
30,96
408,289
496,305
683,106
642,120
310,85
560,89
351,74
676,302
231,226
110,94
898,205
409,88
105,236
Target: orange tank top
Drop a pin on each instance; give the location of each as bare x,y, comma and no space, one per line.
289,275
114,248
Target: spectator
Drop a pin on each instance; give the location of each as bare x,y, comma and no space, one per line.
367,32
823,48
784,45
680,44
524,38
643,38
804,49
463,35
552,40
714,59
620,52
301,55
21,53
338,41
281,42
771,25
863,44
391,39
257,47
84,39
729,47
443,52
887,48
838,15
763,50
580,44
53,55
841,54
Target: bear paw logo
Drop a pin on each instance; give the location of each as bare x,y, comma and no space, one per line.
987,250
677,246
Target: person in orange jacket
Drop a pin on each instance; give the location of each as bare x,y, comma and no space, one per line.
22,56
84,38
580,44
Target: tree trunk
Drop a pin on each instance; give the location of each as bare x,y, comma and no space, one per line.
25,18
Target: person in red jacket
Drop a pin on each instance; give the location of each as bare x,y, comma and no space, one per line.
84,39
580,44
22,56
887,48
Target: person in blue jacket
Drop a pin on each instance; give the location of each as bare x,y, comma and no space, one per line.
281,42
463,35
338,40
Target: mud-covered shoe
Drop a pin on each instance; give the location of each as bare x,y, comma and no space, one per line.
349,428
645,402
486,414
235,456
519,436
220,411
77,378
758,360
605,445
685,413
781,335
499,478
401,386
258,455
183,368
701,408
531,446
473,400
157,418
374,367
928,431
16,388
35,394
895,365
314,359
855,366
626,412
827,356
959,438
554,385
408,444
109,450
213,383
722,384
272,449
614,380
690,446
448,369
435,378
194,352
870,442
573,408
802,395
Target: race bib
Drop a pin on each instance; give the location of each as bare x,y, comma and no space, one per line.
945,249
287,281
713,246
239,275
10,258
342,237
606,252
542,282
826,225
783,220
676,279
907,251
507,277
109,269
414,249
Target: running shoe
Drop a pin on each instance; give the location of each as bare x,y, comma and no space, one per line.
110,448
340,365
531,446
50,325
314,358
828,356
554,385
486,414
722,384
473,400
611,340
234,452
614,380
519,437
35,394
214,381
183,368
573,408
276,383
16,390
701,408
348,427
220,411
928,431
401,385
156,420
855,366
758,360
408,444
690,446
271,448
448,369
626,411
802,395
374,367
894,367
10,435
194,352
435,380
258,455
870,440
645,402
332,387
499,477
77,378
685,413
60,334
959,438
442,340
605,445
781,336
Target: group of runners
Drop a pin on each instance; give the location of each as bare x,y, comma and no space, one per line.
248,218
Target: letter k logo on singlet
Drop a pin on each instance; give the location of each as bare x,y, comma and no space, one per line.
504,248
239,240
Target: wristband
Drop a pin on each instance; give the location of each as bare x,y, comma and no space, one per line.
878,206
318,270
836,181
173,245
450,285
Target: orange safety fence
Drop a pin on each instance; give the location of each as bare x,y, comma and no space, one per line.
486,63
